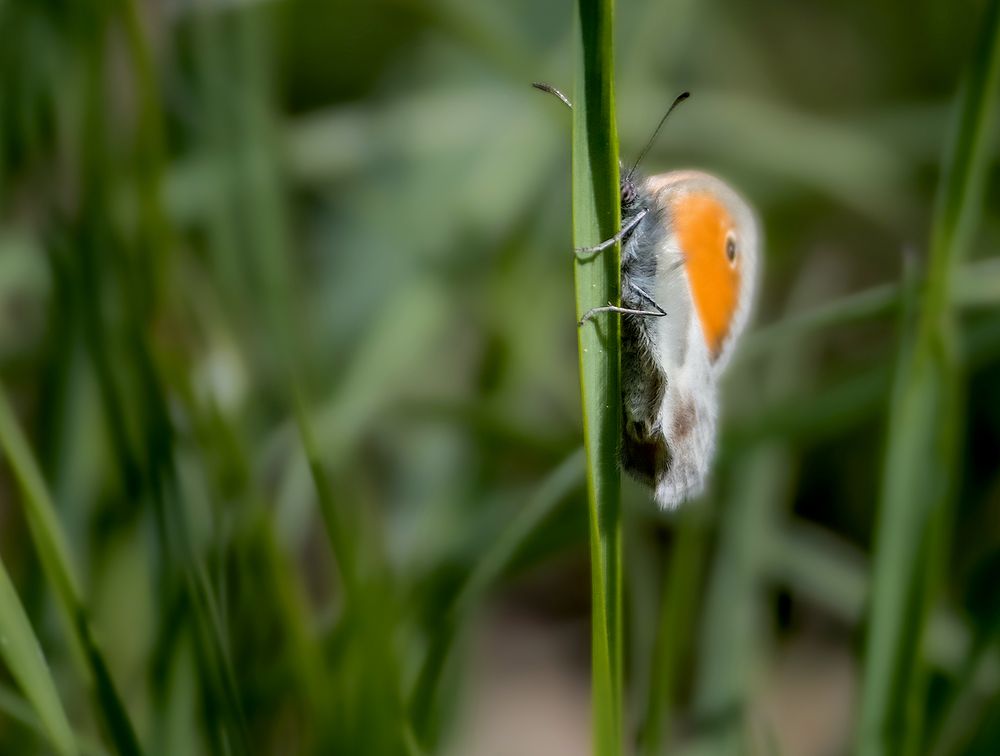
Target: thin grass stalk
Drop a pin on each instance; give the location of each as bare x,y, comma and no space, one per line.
731,630
758,490
919,473
977,284
964,706
224,106
124,361
53,551
814,563
678,606
17,710
374,715
154,236
22,653
596,216
338,531
496,560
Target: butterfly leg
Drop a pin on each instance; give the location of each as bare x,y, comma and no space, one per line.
660,312
657,313
627,229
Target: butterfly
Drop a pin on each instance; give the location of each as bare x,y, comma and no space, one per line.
690,264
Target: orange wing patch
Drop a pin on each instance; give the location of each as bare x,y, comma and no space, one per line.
702,224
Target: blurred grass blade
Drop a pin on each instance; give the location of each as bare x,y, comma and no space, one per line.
552,491
596,216
16,709
919,474
732,628
50,542
337,530
39,512
977,284
758,491
23,655
678,606
496,560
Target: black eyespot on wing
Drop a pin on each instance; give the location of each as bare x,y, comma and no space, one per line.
731,248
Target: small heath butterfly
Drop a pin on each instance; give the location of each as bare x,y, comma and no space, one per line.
690,262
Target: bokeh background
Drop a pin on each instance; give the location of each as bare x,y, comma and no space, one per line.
287,323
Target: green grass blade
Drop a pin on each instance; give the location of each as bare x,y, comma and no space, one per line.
922,445
16,709
49,540
23,655
337,530
816,564
732,624
596,216
977,284
758,490
678,605
553,490
496,560
45,529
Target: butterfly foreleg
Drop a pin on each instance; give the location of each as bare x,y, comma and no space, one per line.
627,229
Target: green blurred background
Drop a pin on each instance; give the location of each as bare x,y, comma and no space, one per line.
286,317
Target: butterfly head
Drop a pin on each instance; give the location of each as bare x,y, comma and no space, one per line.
629,192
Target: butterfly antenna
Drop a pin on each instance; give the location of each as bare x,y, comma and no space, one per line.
677,101
553,91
